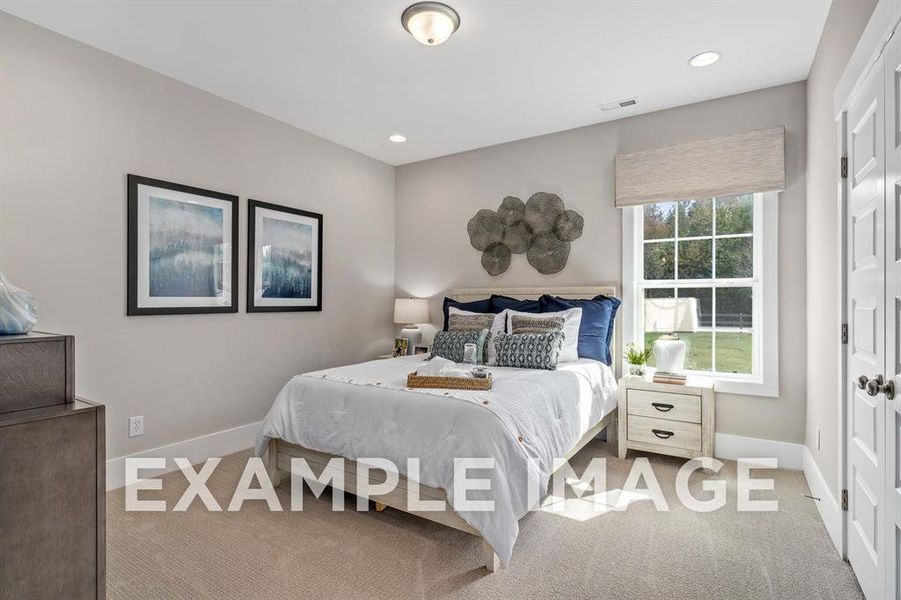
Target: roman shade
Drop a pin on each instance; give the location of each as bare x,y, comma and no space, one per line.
744,162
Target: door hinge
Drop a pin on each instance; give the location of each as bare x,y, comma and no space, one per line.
844,333
845,500
844,167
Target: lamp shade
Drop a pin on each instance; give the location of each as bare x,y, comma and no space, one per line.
411,310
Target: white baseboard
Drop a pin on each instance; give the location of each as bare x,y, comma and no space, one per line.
828,505
789,455
196,450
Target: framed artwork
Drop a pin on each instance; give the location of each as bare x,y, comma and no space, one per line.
284,258
400,347
421,349
182,249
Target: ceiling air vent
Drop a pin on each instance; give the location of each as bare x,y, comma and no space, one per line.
620,104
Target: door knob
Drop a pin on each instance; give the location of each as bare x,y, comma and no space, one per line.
877,385
862,382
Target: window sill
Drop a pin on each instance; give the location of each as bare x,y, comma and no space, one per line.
731,385
745,387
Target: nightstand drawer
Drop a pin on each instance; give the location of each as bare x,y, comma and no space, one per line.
660,405
676,434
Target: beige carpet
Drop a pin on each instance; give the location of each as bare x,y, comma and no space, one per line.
635,554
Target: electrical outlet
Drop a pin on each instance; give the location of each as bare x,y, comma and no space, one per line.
135,426
818,438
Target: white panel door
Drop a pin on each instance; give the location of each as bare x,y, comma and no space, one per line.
892,85
867,462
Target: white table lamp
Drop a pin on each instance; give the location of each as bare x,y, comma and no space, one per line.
411,311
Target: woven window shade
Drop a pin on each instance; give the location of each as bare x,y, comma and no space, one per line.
745,162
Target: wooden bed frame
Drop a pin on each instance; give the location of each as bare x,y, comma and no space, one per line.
280,452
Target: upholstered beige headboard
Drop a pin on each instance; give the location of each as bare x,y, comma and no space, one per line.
533,293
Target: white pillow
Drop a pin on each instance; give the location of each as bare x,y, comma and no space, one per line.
572,320
499,325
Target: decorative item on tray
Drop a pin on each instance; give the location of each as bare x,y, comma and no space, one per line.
17,312
667,377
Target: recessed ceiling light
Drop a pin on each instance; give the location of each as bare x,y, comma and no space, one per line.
704,59
431,23
397,138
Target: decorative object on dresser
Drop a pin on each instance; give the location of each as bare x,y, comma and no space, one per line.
421,349
18,314
284,258
666,419
542,228
410,312
54,544
182,249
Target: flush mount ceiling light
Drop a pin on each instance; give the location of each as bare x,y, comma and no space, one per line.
397,138
704,59
431,23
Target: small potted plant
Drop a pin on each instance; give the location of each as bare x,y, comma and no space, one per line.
637,359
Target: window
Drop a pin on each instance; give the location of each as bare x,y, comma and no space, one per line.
699,268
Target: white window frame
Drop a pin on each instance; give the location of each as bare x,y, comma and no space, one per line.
765,282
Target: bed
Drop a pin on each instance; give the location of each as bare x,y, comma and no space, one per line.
526,420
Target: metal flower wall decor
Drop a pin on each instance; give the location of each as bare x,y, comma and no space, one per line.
541,228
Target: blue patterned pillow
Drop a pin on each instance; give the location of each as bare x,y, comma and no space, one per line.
449,344
529,350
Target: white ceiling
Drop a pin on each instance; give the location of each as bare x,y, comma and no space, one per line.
347,70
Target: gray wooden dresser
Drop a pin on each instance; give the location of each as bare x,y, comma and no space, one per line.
52,474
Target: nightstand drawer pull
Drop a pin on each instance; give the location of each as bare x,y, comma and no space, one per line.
662,407
663,434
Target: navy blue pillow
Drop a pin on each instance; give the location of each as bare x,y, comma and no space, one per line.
502,303
479,306
596,328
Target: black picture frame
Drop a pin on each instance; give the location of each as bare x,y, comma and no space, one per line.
133,304
252,304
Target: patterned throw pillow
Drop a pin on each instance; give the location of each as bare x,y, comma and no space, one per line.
458,322
520,323
450,344
529,350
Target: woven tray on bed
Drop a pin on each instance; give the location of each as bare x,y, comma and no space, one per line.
449,383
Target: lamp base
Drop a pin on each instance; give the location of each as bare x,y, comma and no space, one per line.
413,335
669,354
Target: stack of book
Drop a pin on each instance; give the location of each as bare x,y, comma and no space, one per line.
664,377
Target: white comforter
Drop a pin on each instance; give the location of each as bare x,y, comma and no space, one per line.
530,418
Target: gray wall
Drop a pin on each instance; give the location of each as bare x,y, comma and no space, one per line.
73,122
436,198
843,28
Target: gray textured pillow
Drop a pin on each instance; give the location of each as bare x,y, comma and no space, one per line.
529,350
458,322
449,344
535,324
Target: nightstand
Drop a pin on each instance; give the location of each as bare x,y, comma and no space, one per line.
665,418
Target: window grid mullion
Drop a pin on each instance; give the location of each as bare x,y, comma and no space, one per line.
676,242
713,290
